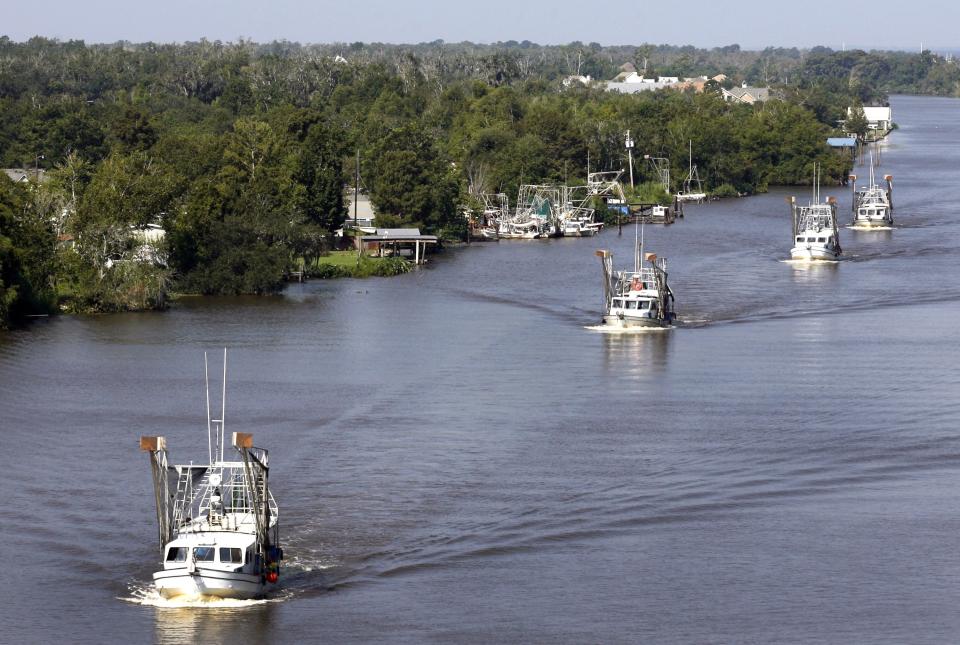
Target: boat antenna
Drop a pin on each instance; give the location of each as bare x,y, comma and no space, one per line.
223,403
638,247
206,380
813,188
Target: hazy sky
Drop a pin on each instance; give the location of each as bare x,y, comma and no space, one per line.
882,24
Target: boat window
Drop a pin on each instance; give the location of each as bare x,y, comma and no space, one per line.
177,554
799,239
821,239
617,303
203,553
232,555
631,304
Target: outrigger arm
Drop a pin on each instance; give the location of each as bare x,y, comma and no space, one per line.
606,259
157,447
256,474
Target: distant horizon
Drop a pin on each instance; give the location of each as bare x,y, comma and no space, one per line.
882,25
937,49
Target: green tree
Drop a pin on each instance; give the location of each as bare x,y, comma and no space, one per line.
411,180
113,268
238,231
857,123
27,255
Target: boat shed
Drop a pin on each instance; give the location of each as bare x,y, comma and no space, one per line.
844,145
396,241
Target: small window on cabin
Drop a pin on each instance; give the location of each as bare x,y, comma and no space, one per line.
177,554
799,239
618,303
645,304
203,553
811,239
631,304
821,239
232,555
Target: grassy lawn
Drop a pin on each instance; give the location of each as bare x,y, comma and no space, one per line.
343,264
339,258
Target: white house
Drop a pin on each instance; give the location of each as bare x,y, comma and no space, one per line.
878,118
575,78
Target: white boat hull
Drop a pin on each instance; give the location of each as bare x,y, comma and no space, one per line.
626,322
813,253
205,582
873,223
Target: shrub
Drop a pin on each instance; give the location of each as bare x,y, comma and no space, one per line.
724,190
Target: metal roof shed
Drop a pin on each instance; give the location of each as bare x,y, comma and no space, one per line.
398,236
841,142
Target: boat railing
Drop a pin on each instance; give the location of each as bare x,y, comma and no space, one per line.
195,501
624,281
815,218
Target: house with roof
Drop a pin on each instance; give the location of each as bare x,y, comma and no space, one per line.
878,117
23,175
576,78
746,94
361,217
879,121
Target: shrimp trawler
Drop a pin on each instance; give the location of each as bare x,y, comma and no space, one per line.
217,521
815,232
872,204
638,298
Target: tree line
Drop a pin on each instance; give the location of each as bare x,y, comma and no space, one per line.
241,152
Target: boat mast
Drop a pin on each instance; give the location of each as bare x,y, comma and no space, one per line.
206,381
215,427
816,182
223,403
637,244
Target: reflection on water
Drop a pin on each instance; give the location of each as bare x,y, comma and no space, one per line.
818,273
637,355
211,625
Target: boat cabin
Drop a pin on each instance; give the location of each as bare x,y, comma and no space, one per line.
219,550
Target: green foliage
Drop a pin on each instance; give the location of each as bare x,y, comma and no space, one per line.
363,267
857,122
724,190
410,179
651,192
381,267
242,151
27,256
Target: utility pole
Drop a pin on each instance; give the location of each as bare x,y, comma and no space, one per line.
356,198
36,167
629,144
